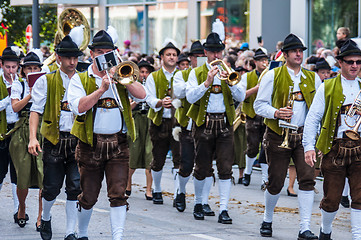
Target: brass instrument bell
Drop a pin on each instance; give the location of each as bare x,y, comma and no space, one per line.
233,77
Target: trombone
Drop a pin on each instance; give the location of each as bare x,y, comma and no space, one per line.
233,77
354,109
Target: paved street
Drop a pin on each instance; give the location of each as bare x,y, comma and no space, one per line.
148,221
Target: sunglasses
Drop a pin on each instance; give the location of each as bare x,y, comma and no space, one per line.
351,62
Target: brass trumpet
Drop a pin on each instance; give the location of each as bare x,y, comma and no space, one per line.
233,77
355,107
126,73
240,117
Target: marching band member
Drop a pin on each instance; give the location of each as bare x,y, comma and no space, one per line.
101,129
341,154
270,103
50,99
213,112
159,86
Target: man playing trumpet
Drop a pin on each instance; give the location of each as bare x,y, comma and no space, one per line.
213,112
273,95
341,154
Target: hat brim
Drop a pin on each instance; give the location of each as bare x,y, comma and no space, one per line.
31,63
354,52
214,47
322,67
70,54
260,57
291,47
183,59
196,51
165,48
91,47
11,59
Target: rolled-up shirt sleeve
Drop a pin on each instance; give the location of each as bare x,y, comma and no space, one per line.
75,93
194,92
4,103
263,103
38,94
179,85
151,92
313,119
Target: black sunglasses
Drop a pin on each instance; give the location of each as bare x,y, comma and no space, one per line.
351,62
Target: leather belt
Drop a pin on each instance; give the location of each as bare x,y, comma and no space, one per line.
216,89
298,96
345,109
107,103
64,106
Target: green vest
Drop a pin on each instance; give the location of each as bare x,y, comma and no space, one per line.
3,94
51,116
83,125
334,99
247,107
161,86
181,112
282,81
53,67
197,111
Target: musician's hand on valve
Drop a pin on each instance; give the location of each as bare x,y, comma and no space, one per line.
284,113
167,102
310,157
211,73
105,83
223,74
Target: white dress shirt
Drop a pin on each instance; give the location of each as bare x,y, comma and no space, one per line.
11,116
152,99
17,90
350,89
194,92
263,103
39,95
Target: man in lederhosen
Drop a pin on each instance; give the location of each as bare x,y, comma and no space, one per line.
159,86
50,99
272,102
341,154
254,123
213,112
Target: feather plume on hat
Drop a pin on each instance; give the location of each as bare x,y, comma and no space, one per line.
39,53
77,35
169,40
218,27
16,49
113,34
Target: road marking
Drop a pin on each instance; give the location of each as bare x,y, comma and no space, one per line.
94,209
205,237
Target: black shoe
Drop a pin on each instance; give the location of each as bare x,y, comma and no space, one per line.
266,229
198,212
306,235
224,218
16,220
247,179
71,237
291,194
180,202
83,238
157,198
128,193
45,230
21,222
345,202
207,210
37,227
148,198
324,236
240,180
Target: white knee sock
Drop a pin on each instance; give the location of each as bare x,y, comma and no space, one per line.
356,224
264,168
327,219
182,183
305,202
83,221
46,209
71,216
117,220
157,177
15,197
224,190
198,189
176,181
345,188
270,204
249,164
206,189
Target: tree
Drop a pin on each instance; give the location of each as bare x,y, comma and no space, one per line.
17,18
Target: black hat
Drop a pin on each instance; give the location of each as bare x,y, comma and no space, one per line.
183,57
102,40
241,68
169,45
322,64
213,43
146,64
31,59
196,48
349,48
259,54
11,54
67,48
292,42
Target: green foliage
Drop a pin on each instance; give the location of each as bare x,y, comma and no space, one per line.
17,18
